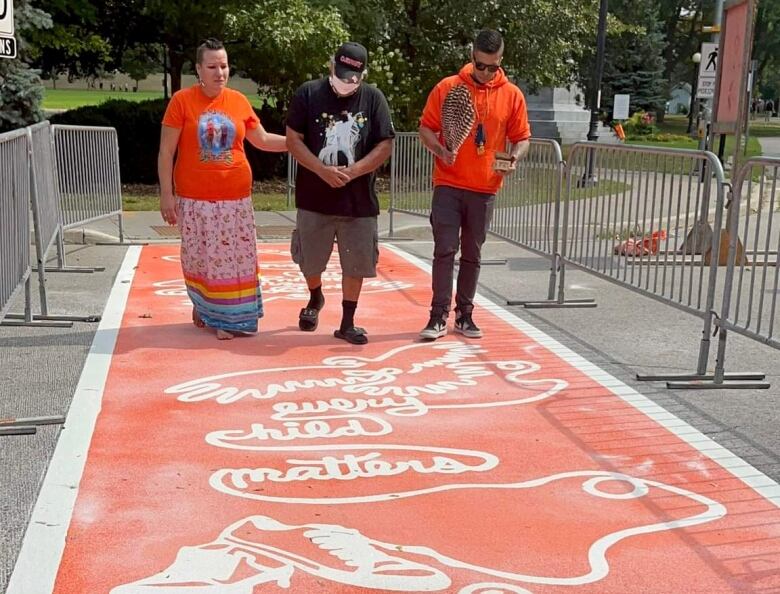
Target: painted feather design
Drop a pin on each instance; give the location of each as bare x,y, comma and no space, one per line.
457,117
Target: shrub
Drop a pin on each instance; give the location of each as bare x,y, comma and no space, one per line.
640,124
138,130
666,137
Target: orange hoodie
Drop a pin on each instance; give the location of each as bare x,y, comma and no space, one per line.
500,106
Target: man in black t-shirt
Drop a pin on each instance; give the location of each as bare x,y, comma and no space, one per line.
340,131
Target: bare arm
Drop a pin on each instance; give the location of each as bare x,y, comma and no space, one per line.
372,161
169,141
430,140
520,149
265,141
333,176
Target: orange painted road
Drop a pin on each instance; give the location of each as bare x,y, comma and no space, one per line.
295,462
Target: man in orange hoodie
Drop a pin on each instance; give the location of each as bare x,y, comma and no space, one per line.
467,120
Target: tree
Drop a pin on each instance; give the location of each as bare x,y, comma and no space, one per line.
21,91
282,43
634,64
73,45
181,25
140,61
414,43
766,50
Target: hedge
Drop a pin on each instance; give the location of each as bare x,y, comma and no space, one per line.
138,129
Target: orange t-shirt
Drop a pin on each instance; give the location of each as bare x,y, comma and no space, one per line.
500,107
210,159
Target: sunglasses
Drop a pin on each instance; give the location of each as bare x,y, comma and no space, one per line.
492,68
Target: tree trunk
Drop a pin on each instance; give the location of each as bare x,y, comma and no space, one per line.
175,65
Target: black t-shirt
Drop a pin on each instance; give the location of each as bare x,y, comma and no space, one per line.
340,131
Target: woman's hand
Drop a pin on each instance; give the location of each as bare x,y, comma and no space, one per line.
168,208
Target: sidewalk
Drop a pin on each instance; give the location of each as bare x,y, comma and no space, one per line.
143,226
770,146
626,334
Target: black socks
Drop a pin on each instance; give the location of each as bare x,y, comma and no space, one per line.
317,299
348,316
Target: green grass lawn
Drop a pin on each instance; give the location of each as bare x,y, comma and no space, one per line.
261,202
678,124
72,98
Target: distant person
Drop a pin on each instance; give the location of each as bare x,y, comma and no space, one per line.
208,193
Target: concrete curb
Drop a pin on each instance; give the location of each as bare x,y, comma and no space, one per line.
87,236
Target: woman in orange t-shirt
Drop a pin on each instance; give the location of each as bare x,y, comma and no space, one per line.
209,194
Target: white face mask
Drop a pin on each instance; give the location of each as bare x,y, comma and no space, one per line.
341,88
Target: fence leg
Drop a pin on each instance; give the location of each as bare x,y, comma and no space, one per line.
27,318
718,381
121,242
28,426
62,266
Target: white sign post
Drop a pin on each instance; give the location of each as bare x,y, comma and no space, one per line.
708,69
620,107
7,40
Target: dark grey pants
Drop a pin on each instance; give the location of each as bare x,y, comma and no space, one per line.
459,218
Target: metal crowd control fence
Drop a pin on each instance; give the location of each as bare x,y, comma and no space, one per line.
628,211
14,217
46,218
15,269
88,180
17,183
752,285
292,173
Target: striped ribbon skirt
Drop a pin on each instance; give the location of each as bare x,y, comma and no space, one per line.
219,262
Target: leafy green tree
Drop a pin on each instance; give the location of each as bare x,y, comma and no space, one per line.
140,61
181,25
281,43
766,50
414,43
21,91
73,45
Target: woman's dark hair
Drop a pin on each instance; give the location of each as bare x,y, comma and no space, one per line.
207,44
489,41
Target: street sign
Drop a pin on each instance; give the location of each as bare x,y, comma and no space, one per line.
7,47
708,69
6,18
7,41
730,107
620,107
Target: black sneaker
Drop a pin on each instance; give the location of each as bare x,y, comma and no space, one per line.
436,328
466,326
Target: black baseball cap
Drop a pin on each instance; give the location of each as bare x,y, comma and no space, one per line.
350,61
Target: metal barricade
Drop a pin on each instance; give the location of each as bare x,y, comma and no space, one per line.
88,180
46,222
292,174
628,211
411,185
750,299
15,267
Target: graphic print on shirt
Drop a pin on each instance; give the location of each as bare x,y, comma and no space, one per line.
341,132
216,133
